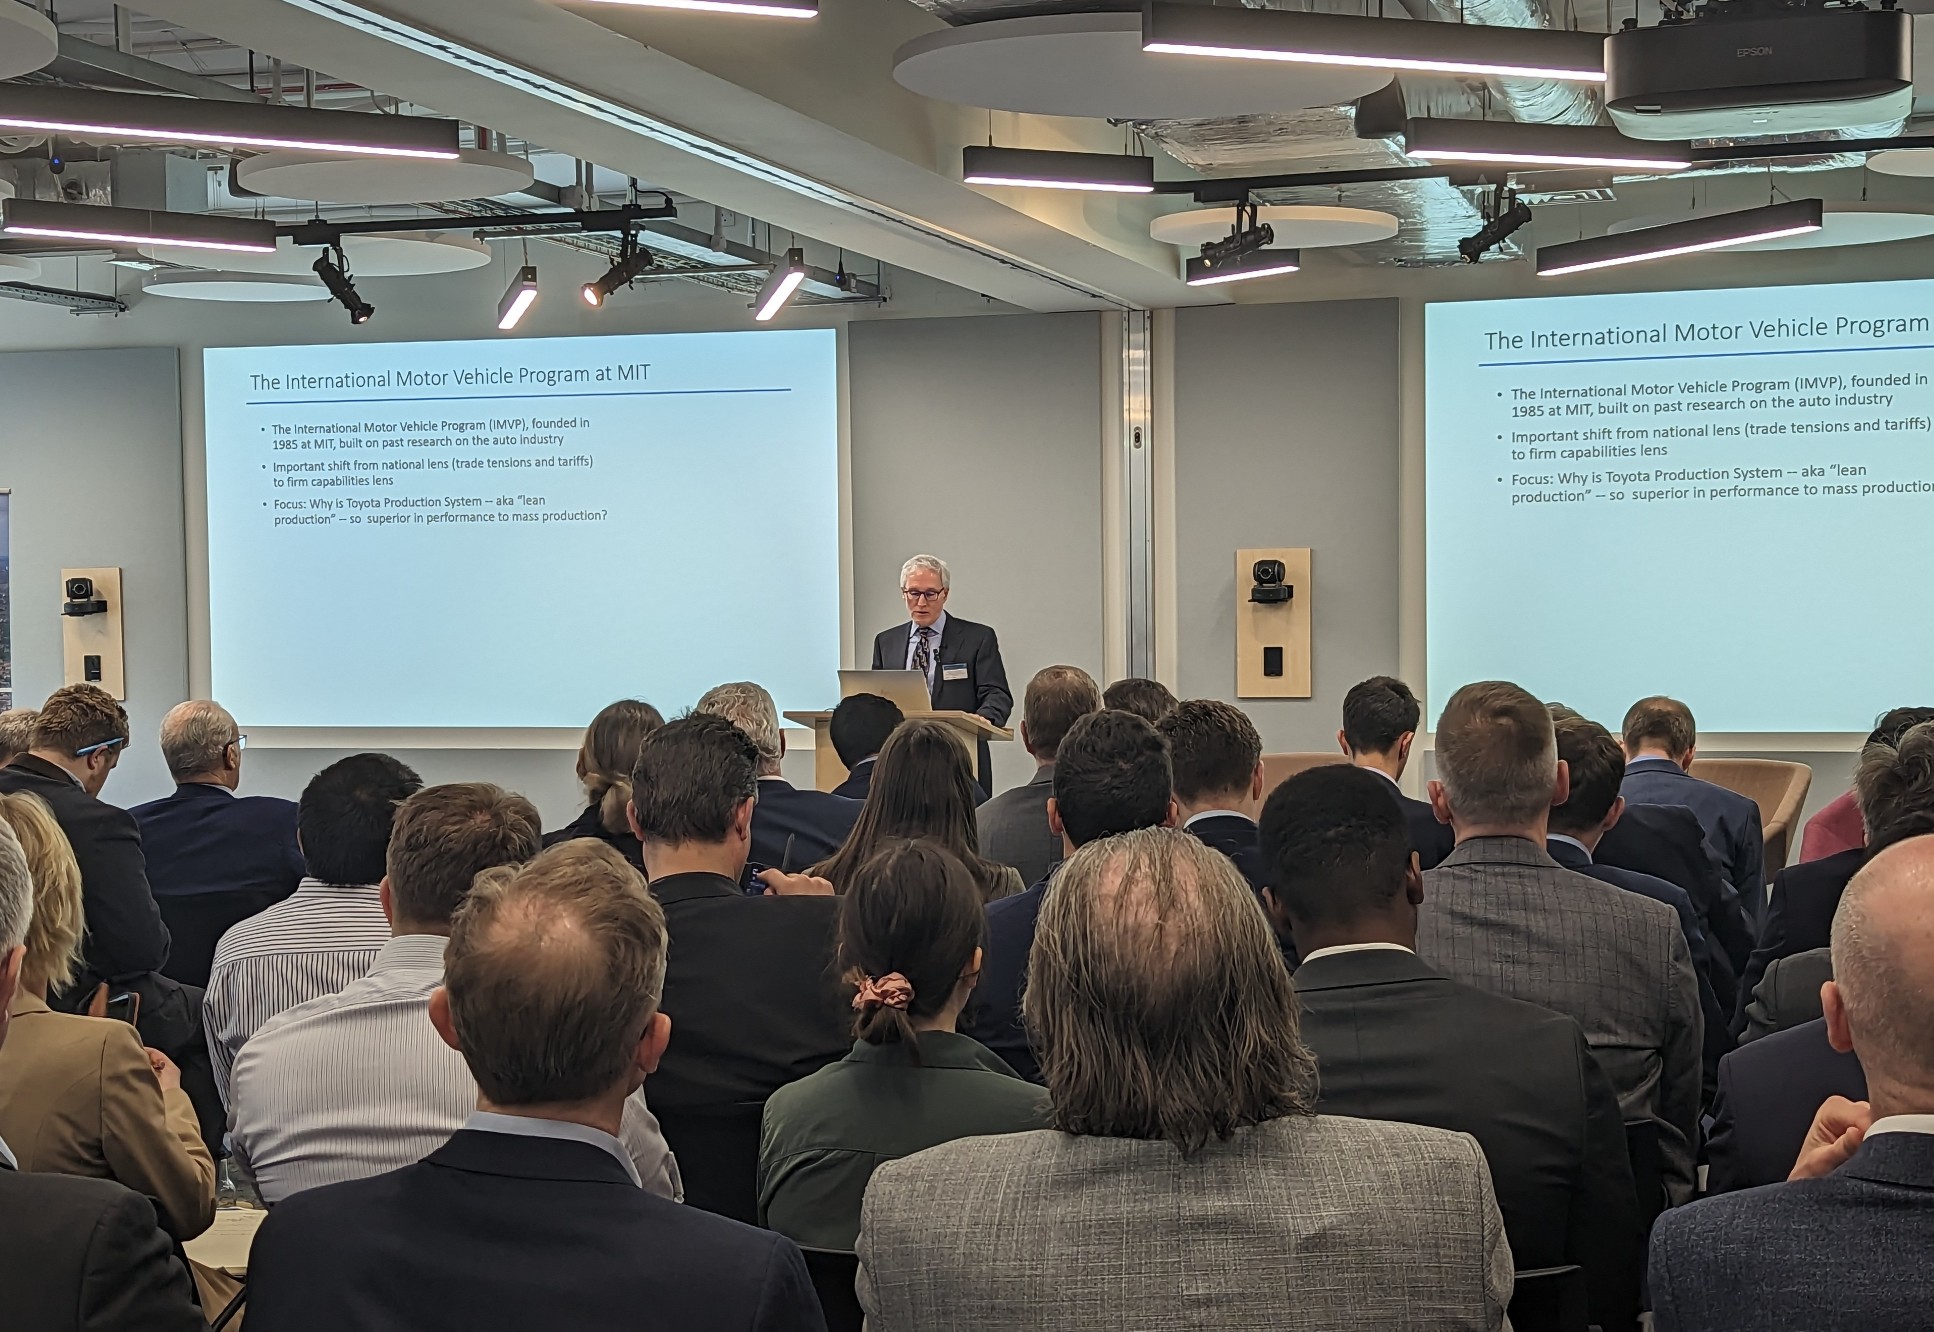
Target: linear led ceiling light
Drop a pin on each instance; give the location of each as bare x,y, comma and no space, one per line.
804,9
91,113
1675,238
519,296
780,286
135,226
1516,144
1110,172
1203,272
1350,39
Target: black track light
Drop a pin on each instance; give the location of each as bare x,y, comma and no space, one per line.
633,259
335,276
1507,214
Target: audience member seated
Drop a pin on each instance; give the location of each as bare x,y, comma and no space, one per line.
924,787
791,828
1668,842
530,1216
1217,759
1768,1094
329,931
1014,824
1788,994
1661,741
751,980
1502,915
1112,776
858,728
16,733
1151,700
213,857
1185,1180
910,931
79,736
604,767
76,1255
1380,720
1395,1040
78,1095
1845,1244
357,1083
1838,826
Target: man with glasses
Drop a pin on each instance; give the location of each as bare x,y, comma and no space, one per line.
213,857
961,659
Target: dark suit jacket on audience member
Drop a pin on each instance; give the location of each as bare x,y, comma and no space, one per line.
1239,839
1789,994
994,1013
859,780
1849,1250
495,1232
1014,828
85,1255
1730,819
590,824
984,690
1668,842
1768,1094
814,823
1395,1040
1431,840
1800,916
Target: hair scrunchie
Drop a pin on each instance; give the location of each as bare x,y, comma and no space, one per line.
890,991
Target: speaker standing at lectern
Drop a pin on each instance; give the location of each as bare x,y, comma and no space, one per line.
961,659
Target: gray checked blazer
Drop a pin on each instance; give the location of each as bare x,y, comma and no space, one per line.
1310,1223
1503,916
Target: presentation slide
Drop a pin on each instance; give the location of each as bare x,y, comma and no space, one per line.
514,533
1719,495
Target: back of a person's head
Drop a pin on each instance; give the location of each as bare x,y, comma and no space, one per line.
923,786
1883,967
16,893
16,733
750,708
1597,765
1893,784
1213,748
860,725
1496,755
1158,999
690,778
1892,725
909,923
1148,699
1113,776
54,939
1378,713
79,717
445,836
195,737
345,815
1056,698
552,973
610,748
1337,843
1660,723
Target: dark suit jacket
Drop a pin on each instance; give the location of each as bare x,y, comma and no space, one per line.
1014,828
125,937
962,643
495,1232
1847,1251
1240,840
1800,916
1789,994
792,829
994,1014
1395,1040
1668,842
1431,840
859,780
85,1255
1730,819
590,824
1769,1092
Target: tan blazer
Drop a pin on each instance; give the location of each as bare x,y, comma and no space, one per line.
77,1097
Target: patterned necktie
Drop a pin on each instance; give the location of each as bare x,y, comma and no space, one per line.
923,653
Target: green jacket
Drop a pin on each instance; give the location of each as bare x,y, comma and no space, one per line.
824,1134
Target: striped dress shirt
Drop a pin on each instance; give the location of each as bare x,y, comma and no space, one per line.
359,1083
310,944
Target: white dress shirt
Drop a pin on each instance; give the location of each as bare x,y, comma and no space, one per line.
358,1083
939,628
528,1126
1353,948
1901,1124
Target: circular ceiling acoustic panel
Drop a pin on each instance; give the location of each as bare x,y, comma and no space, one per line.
411,255
1093,65
1842,224
27,41
1297,226
254,288
475,174
1903,162
18,268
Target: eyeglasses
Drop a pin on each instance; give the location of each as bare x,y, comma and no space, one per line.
241,740
917,594
85,750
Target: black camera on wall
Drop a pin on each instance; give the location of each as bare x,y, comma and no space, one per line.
1270,583
81,599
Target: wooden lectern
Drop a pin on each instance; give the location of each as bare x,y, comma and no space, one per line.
969,727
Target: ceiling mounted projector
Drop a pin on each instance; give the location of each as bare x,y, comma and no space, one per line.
1742,67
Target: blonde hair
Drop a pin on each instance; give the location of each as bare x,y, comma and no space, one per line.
750,708
54,934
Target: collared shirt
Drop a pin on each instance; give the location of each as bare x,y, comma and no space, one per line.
529,1126
1353,948
310,944
1569,841
1194,819
357,1083
1901,1124
939,628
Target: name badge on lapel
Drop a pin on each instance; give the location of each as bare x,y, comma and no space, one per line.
953,672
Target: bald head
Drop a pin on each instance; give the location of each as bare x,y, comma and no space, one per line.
1883,964
196,740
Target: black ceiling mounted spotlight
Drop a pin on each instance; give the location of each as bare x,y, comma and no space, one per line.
1506,214
1242,239
632,261
1243,254
334,273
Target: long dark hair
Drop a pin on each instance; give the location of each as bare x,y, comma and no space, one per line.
911,909
923,786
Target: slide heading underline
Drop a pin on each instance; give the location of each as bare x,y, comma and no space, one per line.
506,397
1702,356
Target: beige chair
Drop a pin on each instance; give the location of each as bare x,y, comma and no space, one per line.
1779,789
1279,768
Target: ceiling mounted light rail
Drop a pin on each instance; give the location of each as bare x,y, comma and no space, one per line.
518,298
780,286
1514,143
1256,264
135,226
796,9
1676,238
1107,172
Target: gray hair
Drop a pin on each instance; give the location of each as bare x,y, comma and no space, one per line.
1497,755
1883,961
750,708
16,731
1894,786
194,736
933,564
16,891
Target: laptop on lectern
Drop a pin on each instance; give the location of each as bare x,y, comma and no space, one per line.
906,690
